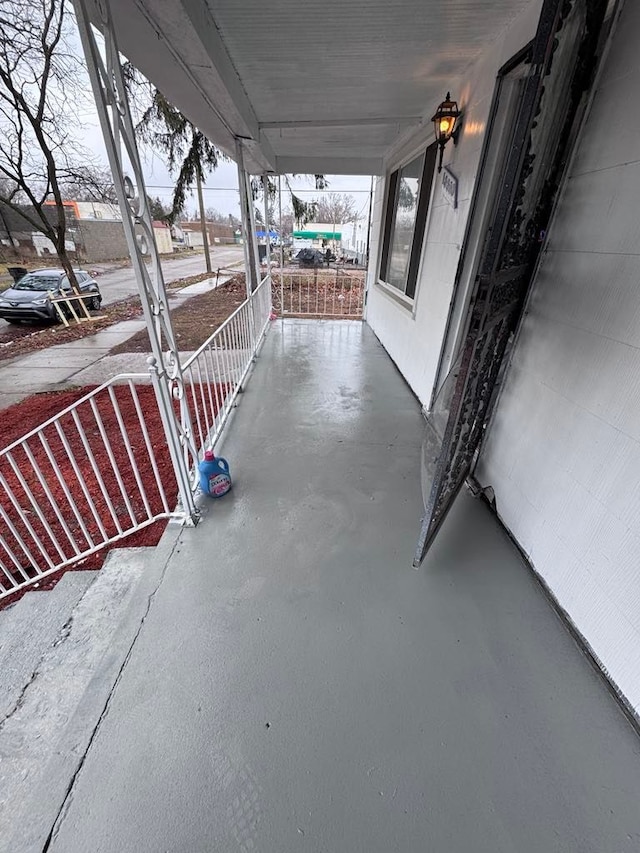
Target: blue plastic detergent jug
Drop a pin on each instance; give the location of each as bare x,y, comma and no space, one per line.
215,479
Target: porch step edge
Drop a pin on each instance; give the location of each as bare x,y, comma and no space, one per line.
105,626
33,734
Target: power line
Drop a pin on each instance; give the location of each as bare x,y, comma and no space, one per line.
236,190
170,187
330,192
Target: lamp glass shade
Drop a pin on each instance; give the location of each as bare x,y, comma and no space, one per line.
444,120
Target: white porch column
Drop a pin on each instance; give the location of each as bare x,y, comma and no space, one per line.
118,131
248,223
267,230
281,246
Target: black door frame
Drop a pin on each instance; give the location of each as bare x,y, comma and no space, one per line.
538,151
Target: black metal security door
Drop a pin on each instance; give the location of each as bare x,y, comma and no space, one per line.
561,61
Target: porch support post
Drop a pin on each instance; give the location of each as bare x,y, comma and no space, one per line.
118,131
248,225
267,229
281,246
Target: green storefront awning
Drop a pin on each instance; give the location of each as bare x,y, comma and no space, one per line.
318,235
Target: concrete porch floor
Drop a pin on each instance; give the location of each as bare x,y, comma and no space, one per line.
297,686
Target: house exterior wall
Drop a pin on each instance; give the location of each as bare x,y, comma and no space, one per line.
193,239
96,238
217,231
163,239
102,240
97,210
412,334
354,240
563,448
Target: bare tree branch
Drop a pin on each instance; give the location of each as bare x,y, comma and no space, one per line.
41,85
336,208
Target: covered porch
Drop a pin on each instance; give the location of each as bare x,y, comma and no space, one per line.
295,685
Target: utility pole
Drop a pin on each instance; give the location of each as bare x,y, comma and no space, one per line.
203,221
369,219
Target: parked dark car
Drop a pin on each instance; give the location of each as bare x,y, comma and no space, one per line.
313,258
28,298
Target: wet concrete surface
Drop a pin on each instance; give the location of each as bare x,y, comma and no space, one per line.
297,686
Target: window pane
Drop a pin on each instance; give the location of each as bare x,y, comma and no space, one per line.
404,220
421,218
388,223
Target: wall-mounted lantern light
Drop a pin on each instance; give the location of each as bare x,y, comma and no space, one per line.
446,124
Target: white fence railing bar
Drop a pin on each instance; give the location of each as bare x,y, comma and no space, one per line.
215,374
82,480
100,469
319,293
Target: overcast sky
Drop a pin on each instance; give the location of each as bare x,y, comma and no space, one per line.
221,187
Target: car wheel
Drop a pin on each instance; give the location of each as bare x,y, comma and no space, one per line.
93,304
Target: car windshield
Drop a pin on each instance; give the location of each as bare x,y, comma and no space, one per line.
38,282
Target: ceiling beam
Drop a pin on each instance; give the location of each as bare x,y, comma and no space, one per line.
323,165
340,122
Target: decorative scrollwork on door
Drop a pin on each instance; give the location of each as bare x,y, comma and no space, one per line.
560,64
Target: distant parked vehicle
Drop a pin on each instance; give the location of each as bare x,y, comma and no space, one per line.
28,298
313,258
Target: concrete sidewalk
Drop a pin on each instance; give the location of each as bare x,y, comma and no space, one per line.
297,686
84,362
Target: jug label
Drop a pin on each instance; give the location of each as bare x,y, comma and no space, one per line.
219,484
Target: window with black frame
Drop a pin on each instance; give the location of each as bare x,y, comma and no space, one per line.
405,219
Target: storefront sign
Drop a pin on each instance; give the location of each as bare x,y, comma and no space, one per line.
450,187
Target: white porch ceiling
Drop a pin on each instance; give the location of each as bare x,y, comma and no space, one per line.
326,87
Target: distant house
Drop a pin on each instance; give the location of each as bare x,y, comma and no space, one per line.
192,237
97,230
189,234
94,233
96,210
18,236
318,235
353,245
162,233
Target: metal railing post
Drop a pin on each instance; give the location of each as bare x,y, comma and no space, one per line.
267,227
165,406
118,130
245,220
267,230
281,246
249,238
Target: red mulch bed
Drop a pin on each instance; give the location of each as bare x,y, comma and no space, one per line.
67,489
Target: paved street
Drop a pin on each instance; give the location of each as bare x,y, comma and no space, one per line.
120,284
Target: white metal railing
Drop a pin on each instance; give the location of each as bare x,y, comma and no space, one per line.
214,374
87,477
335,293
101,469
